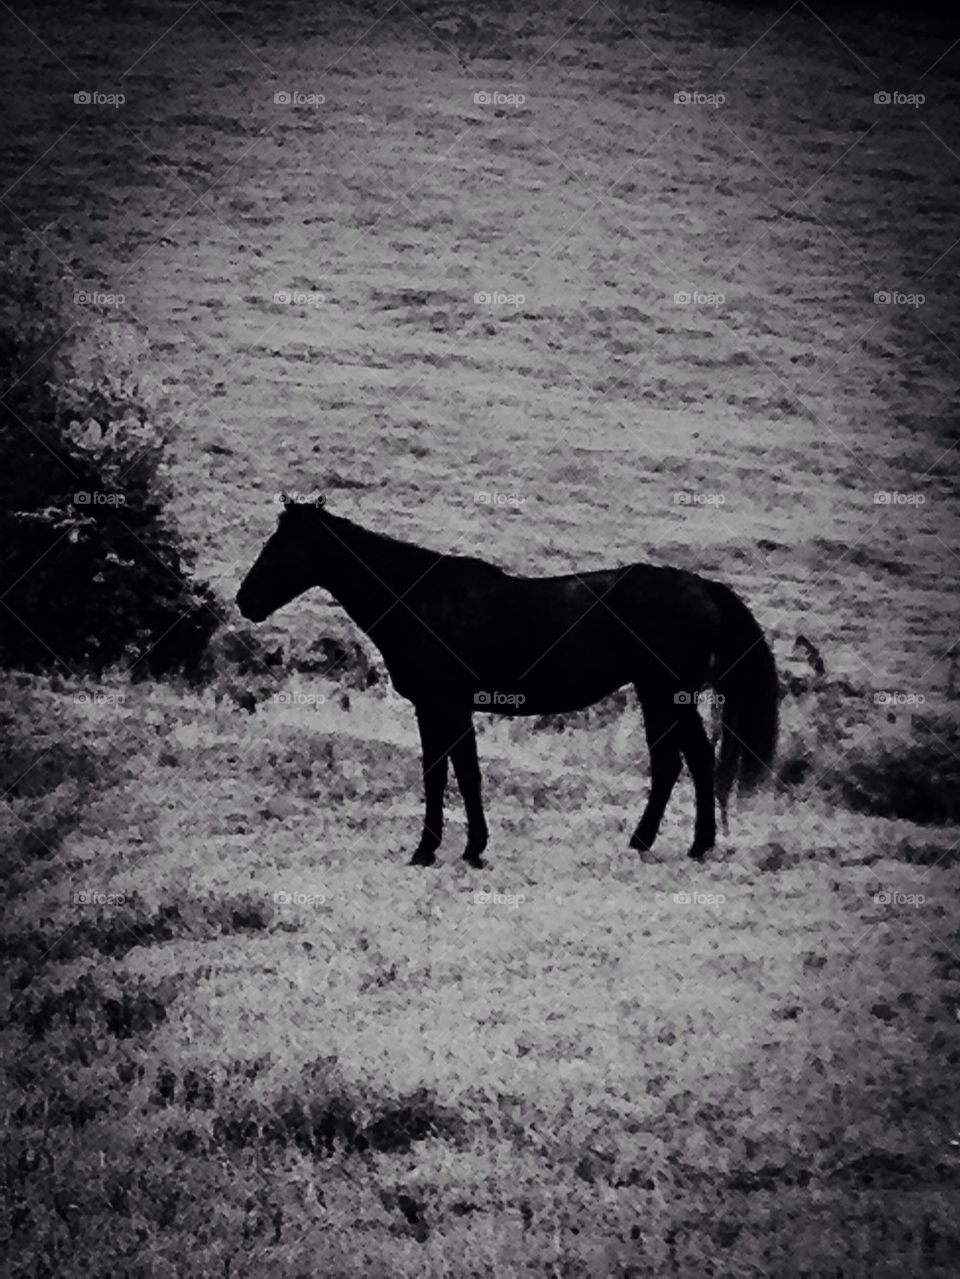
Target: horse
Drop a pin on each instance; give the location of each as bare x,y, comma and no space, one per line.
458,634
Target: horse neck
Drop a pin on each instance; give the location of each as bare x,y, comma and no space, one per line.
367,572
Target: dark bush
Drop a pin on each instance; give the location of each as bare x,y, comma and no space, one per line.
336,658
916,778
92,572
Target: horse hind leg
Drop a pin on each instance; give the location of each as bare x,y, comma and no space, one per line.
661,727
726,757
698,752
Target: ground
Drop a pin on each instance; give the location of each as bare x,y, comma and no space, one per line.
246,1037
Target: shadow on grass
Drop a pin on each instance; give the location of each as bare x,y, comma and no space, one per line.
135,924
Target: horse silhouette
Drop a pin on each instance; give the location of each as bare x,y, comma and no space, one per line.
458,634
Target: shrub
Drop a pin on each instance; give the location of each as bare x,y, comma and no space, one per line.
818,719
337,658
916,778
91,571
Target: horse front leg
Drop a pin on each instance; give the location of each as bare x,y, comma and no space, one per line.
435,747
466,766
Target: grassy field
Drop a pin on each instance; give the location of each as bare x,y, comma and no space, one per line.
243,1037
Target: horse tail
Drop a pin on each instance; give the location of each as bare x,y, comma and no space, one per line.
745,674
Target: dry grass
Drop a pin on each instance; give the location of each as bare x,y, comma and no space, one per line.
278,1047
640,1068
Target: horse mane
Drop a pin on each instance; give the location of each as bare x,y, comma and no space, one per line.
393,559
397,558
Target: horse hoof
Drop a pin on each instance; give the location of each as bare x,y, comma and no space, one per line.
640,845
697,854
422,859
476,861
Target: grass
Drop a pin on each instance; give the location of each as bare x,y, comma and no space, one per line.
262,1042
242,1037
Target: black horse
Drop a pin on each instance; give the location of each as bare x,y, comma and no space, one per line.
458,635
